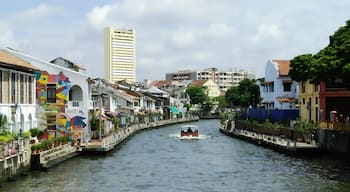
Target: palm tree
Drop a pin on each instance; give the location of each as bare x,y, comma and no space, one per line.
304,126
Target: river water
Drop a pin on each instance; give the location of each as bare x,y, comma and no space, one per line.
157,160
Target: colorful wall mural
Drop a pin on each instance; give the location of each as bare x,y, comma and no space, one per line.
64,124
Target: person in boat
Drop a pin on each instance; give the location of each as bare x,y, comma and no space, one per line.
189,130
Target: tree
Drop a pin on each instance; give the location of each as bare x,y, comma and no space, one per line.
304,127
197,94
246,94
221,101
330,64
3,121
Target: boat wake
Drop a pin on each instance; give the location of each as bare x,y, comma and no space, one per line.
177,136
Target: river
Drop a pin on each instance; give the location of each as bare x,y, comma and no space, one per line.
157,160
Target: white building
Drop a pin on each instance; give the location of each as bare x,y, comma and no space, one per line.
223,78
278,90
78,101
120,55
17,93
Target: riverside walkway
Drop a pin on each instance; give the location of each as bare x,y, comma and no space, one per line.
277,143
110,141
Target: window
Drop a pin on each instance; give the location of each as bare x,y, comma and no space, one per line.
303,101
6,87
287,87
316,100
51,93
303,86
13,88
51,122
30,90
316,87
22,88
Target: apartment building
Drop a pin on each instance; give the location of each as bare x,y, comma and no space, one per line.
224,78
120,55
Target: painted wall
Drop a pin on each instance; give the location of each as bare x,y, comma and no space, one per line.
66,124
75,79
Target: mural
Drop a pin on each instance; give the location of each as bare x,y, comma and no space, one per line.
65,125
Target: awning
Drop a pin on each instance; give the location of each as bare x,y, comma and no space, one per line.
286,100
174,110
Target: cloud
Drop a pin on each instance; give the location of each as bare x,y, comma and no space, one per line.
7,38
267,32
42,11
173,35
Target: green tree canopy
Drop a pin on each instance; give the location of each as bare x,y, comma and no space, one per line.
245,94
198,95
221,101
329,64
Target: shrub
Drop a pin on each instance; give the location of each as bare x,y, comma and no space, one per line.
3,139
26,134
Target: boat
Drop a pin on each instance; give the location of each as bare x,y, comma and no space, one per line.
189,132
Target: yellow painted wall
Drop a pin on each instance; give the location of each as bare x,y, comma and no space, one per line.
305,97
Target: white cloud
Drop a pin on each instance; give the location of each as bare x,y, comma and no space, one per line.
174,35
266,32
6,38
39,12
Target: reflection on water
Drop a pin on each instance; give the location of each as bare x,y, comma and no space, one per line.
156,160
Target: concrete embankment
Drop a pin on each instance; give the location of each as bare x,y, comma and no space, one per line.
14,159
282,145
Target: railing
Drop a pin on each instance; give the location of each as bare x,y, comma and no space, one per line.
74,104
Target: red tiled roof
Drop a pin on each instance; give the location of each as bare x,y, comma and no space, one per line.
198,82
9,59
283,66
162,83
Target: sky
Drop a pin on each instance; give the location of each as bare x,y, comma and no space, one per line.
173,35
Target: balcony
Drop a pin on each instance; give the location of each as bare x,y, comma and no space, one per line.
74,104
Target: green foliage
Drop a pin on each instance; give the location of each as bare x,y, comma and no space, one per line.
330,64
304,126
188,106
94,122
245,94
197,94
6,136
221,101
26,134
3,121
36,132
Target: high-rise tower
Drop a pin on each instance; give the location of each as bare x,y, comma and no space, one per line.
120,54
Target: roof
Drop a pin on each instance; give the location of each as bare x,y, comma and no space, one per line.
163,83
198,82
73,65
283,66
9,59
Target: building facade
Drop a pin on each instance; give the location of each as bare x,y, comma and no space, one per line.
278,90
309,101
224,78
62,97
120,55
17,93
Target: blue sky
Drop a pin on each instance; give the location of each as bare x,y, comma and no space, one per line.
173,35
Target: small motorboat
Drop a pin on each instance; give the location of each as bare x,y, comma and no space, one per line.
189,132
